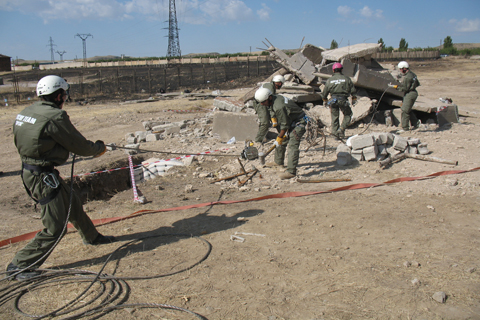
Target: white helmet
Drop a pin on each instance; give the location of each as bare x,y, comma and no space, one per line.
262,94
403,65
278,78
49,84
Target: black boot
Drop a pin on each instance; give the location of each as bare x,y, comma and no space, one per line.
24,275
101,239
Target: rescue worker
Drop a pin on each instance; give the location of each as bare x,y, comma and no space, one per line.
409,86
340,87
266,117
291,125
44,137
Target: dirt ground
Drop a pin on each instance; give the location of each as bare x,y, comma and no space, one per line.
373,253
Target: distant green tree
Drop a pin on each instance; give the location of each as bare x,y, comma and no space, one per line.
403,46
334,44
381,41
448,47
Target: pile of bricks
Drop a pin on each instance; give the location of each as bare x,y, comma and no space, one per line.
377,146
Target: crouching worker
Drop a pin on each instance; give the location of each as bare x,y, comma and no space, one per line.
291,125
44,137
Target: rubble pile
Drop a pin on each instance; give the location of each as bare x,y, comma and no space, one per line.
377,146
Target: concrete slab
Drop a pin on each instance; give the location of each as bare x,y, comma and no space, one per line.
228,104
353,51
298,64
313,53
232,124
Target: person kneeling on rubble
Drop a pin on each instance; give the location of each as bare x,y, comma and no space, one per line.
266,115
340,87
44,137
409,86
291,125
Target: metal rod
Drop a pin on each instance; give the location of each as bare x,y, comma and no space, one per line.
323,180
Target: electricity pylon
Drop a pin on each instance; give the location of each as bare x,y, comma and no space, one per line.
173,41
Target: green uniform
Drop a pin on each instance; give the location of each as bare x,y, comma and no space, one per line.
409,86
264,114
44,137
291,118
340,87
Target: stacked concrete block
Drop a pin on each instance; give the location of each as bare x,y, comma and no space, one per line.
132,148
370,153
379,145
344,157
162,127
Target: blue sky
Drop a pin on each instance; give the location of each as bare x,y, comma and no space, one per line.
136,28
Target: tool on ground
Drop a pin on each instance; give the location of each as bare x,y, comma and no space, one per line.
262,155
113,147
249,152
323,180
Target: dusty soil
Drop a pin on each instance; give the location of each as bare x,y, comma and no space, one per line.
374,253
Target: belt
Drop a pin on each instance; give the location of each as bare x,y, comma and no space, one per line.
337,96
38,169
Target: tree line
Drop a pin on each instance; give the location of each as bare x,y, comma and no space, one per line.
448,47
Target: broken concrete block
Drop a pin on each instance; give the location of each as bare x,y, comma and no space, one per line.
344,158
411,150
357,154
400,143
413,141
131,140
132,148
148,125
390,138
382,149
188,160
141,136
298,64
161,128
393,152
354,51
380,138
360,142
313,53
239,125
228,104
370,153
173,129
152,137
422,149
303,98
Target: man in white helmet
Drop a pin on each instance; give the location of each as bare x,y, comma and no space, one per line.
409,85
291,126
45,137
265,115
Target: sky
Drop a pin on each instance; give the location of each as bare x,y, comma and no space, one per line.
29,29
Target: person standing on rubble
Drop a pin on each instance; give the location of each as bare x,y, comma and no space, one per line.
291,125
340,87
409,86
266,116
44,137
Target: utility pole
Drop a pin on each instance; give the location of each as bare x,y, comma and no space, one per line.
173,41
84,41
52,55
61,55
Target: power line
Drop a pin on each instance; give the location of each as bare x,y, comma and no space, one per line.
84,42
61,55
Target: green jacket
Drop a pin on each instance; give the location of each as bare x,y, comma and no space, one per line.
286,111
44,136
338,84
264,114
410,82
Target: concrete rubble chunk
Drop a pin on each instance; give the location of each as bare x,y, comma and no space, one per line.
161,128
313,53
423,149
131,140
440,297
344,158
400,143
362,141
357,154
173,129
297,64
141,136
412,149
370,153
354,51
132,148
413,141
228,104
242,126
382,149
380,138
152,137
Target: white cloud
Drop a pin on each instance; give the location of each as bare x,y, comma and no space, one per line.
466,25
366,14
344,11
264,13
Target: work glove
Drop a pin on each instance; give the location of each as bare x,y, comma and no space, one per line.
104,148
394,86
278,142
274,122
